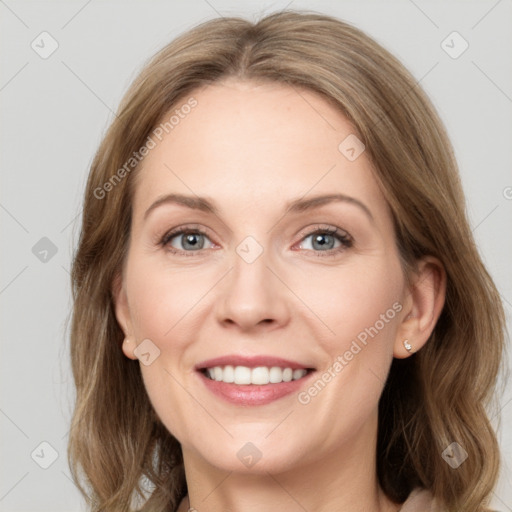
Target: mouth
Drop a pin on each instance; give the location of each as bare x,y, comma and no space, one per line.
255,380
259,375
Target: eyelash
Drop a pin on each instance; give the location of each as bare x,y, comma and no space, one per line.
342,236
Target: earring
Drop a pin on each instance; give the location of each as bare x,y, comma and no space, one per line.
407,345
126,340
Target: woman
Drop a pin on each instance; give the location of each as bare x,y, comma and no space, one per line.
278,302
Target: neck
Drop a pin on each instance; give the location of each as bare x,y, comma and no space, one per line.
343,479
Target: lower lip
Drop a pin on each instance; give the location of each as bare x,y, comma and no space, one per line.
252,394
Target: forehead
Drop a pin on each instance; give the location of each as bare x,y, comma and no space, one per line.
247,143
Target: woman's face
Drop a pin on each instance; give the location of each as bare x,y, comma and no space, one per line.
317,284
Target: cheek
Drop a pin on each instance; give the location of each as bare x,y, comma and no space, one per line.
362,314
357,300
359,306
163,303
366,311
162,300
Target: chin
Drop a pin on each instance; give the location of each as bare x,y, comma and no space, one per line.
251,457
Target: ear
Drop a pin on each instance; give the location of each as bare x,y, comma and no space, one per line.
422,306
123,316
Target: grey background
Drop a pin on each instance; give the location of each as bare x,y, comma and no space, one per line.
55,111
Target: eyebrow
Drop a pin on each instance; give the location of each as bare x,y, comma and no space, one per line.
295,206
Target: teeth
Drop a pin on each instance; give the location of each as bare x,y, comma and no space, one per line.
227,375
260,375
242,375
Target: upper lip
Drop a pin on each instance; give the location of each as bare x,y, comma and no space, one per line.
251,362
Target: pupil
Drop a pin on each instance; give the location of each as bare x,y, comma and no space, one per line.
320,239
191,240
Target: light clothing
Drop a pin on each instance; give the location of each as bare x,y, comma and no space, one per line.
420,500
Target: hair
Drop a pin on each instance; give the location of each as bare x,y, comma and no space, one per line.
119,451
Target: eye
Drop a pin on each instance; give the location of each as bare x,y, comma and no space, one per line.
184,240
324,241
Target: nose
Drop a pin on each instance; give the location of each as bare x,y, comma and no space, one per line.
253,296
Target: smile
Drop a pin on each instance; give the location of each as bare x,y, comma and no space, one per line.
261,375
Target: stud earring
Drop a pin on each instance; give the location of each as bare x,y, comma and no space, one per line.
407,345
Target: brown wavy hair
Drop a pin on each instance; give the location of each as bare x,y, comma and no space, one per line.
121,456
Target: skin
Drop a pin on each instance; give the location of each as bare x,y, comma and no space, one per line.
250,148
